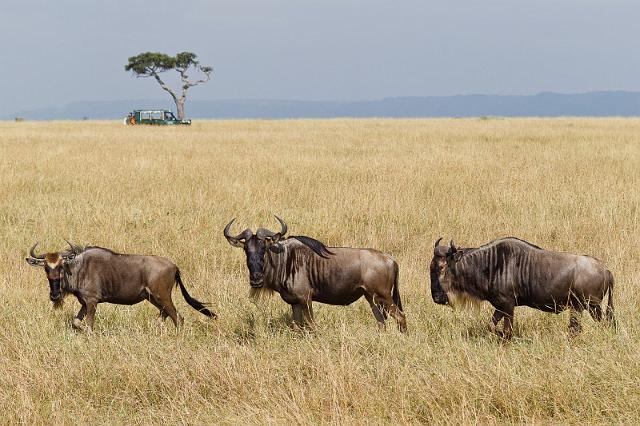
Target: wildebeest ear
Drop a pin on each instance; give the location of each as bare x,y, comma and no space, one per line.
276,248
457,255
34,262
275,238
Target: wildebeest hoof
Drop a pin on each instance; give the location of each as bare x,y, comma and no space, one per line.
77,324
494,330
574,331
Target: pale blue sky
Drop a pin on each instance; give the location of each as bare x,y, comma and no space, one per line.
54,52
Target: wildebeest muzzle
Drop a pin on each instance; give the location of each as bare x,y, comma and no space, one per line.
437,293
55,294
256,282
440,298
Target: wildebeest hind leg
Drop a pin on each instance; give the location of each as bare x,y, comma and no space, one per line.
398,315
162,315
575,327
171,311
377,310
395,312
167,309
596,312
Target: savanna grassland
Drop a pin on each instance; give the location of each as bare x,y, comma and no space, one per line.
396,185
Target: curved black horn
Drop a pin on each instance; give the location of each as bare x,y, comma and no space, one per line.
32,252
72,252
437,242
227,228
283,225
75,249
234,241
452,247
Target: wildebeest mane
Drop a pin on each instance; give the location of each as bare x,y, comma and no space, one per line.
522,241
102,248
499,240
318,248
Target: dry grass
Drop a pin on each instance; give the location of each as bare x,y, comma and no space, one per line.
396,185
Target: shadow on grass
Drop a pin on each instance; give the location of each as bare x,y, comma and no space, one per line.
250,326
480,333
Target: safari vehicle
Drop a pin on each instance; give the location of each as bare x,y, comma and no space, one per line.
151,116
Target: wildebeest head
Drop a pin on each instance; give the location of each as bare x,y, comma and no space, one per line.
441,271
255,246
55,266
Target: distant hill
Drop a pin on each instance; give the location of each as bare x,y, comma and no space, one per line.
546,104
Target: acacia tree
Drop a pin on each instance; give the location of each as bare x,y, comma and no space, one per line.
152,64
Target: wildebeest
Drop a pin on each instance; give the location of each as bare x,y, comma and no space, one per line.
98,275
510,272
302,269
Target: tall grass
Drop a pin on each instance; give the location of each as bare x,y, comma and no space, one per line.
396,185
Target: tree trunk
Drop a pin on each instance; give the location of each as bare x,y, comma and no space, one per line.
180,108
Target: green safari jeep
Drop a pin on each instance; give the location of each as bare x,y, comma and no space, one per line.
151,116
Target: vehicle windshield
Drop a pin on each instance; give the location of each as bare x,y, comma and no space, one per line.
150,115
168,115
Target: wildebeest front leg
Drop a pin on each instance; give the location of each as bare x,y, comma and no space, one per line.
495,319
307,314
298,322
508,323
77,321
91,313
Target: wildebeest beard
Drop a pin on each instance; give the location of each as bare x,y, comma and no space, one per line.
62,288
260,293
58,304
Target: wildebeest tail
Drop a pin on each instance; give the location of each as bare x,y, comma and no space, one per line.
610,317
194,303
395,294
